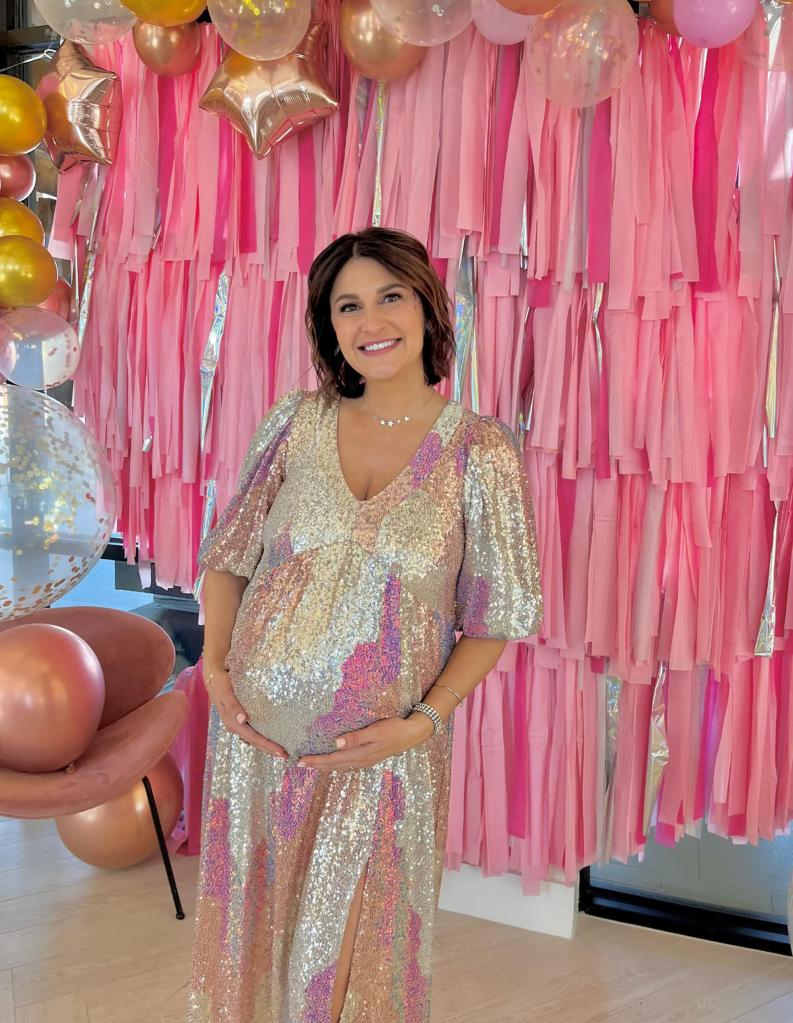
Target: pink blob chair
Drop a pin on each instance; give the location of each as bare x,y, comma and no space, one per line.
138,724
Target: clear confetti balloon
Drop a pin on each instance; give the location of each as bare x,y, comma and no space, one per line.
87,21
38,348
261,29
57,501
582,51
424,22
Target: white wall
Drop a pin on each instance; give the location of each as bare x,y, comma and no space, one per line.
501,899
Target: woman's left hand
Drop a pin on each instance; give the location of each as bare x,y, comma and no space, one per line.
368,746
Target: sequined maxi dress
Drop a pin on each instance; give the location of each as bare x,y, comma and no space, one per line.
349,617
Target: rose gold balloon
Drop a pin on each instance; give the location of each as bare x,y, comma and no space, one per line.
661,13
83,109
60,301
16,218
121,833
529,6
373,50
267,101
168,51
52,693
17,177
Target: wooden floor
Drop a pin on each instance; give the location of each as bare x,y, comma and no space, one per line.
78,945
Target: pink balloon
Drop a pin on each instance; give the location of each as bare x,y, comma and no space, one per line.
500,25
712,23
582,51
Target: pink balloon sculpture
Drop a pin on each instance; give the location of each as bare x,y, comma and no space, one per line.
500,25
52,694
582,51
713,23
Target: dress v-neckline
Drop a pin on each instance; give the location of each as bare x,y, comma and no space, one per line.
334,425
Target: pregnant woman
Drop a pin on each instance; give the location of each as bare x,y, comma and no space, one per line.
373,521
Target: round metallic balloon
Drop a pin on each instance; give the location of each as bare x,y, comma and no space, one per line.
52,695
57,501
376,52
23,119
120,833
166,13
16,218
17,176
28,273
38,348
60,301
168,51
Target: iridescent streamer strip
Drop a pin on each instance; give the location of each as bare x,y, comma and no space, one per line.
381,108
210,502
596,326
209,361
465,328
209,365
608,706
85,298
658,747
764,646
362,96
773,348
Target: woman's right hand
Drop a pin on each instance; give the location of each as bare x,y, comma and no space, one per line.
233,715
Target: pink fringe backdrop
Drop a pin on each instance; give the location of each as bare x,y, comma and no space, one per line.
643,415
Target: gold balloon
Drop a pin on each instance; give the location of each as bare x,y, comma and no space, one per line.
166,13
663,15
23,119
28,273
120,833
83,109
16,218
371,48
168,51
529,6
270,100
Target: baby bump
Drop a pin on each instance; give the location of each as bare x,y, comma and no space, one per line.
306,714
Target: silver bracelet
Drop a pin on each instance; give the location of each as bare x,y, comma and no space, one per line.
432,714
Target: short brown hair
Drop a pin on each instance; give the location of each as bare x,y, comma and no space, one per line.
405,257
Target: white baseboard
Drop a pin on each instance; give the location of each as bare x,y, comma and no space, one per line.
501,899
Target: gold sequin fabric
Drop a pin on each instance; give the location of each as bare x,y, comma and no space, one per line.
349,617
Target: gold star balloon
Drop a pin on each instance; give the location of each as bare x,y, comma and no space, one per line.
83,107
270,100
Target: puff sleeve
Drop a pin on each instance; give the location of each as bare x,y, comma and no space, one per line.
498,594
235,544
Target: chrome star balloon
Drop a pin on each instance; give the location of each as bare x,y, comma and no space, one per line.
270,100
83,106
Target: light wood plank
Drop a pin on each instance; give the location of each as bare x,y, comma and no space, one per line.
79,945
70,1009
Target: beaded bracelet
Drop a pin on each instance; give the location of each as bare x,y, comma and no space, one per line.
432,714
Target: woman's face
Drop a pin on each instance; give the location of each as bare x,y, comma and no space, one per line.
378,320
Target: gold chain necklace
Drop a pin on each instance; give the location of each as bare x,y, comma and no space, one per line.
401,419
